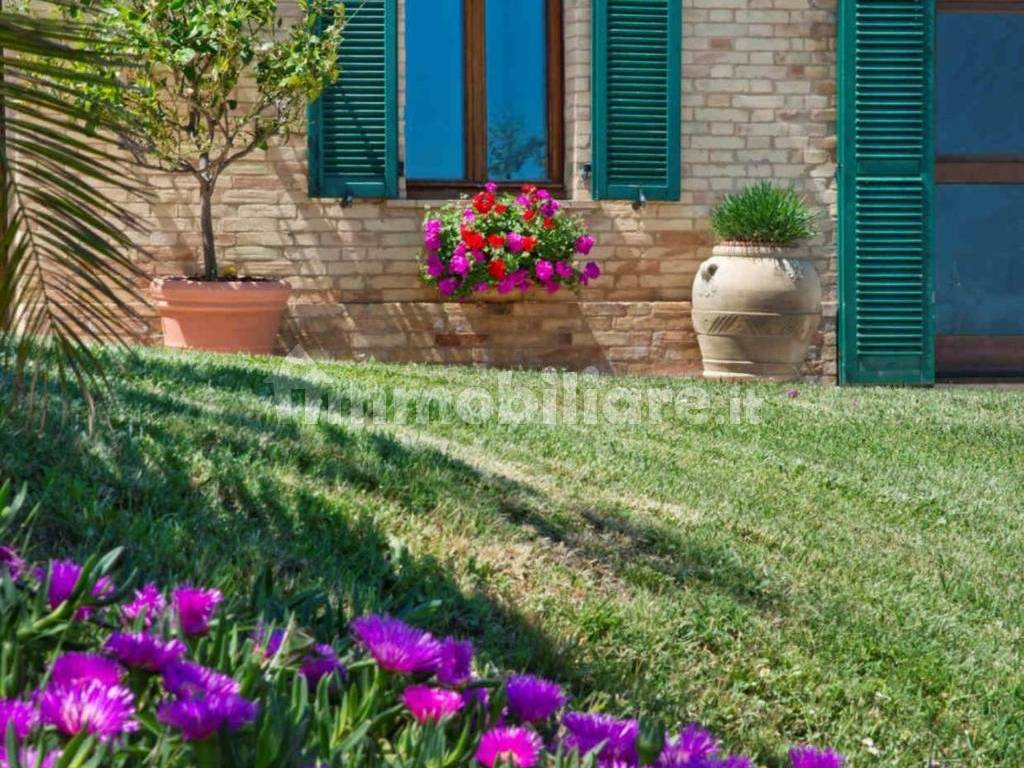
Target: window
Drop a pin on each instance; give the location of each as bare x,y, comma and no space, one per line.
483,93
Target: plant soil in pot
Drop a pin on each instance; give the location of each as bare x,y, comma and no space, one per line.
757,300
221,316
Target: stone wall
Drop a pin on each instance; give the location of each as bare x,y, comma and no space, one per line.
758,101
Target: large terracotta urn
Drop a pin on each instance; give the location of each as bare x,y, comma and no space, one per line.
221,316
756,309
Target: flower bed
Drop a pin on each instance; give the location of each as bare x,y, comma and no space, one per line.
95,673
505,244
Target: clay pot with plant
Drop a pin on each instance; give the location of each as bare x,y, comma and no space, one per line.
757,300
194,60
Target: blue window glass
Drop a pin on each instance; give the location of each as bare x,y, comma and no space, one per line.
979,259
979,83
517,135
434,104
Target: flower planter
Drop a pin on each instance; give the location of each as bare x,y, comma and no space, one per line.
755,310
229,316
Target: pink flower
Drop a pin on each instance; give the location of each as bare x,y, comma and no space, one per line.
144,651
431,705
544,270
491,187
21,713
563,269
435,267
514,242
64,575
195,608
481,287
396,646
106,711
583,244
459,264
200,717
149,603
447,286
518,747
188,679
76,667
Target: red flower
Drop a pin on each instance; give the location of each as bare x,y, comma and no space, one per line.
549,223
528,189
496,241
483,202
496,269
473,239
529,214
500,208
529,243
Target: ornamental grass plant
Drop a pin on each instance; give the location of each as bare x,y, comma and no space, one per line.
763,214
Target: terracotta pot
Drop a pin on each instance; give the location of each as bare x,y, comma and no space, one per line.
756,310
230,316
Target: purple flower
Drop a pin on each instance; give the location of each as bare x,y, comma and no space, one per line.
188,679
21,713
592,271
583,244
491,187
688,749
144,651
533,699
456,662
468,216
64,575
32,758
435,267
149,603
543,194
479,256
793,393
268,645
75,667
481,287
200,717
322,661
14,564
544,270
587,731
459,264
396,646
474,696
549,208
432,234
809,757
514,242
447,286
195,608
105,711
509,746
506,284
563,270
732,761
523,200
431,705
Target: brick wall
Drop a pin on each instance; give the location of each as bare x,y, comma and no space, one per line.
758,101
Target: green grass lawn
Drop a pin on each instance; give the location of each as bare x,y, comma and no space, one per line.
846,568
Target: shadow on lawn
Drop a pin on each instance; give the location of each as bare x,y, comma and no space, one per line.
203,493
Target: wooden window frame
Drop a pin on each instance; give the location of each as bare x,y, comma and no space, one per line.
980,168
475,85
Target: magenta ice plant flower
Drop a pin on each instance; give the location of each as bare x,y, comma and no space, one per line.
810,757
200,717
518,747
431,705
585,731
456,665
64,576
195,607
186,678
28,757
76,667
22,714
140,650
105,711
692,745
268,644
149,603
533,699
10,560
319,662
396,646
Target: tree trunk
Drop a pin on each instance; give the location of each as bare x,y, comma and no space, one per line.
206,225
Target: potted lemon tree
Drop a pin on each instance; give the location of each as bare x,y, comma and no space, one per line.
216,81
757,300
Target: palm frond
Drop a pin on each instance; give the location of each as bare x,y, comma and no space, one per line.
68,279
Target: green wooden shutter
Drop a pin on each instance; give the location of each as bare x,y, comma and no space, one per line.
636,83
353,126
886,189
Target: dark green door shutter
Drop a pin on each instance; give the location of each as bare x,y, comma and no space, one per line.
353,126
886,184
636,83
